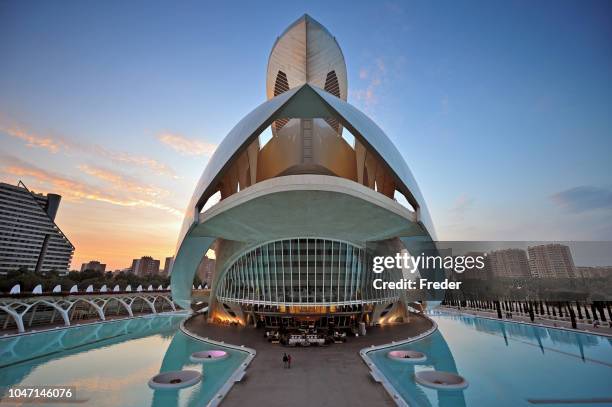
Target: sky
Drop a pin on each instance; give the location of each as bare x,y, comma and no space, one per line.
502,110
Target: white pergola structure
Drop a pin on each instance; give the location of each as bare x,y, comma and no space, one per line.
48,310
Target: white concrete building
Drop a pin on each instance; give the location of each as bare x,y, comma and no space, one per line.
296,218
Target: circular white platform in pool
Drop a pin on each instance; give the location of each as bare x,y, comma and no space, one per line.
176,379
209,355
440,380
410,356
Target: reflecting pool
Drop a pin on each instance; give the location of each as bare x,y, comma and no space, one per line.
506,364
111,363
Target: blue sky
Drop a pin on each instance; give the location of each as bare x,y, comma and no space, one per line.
503,110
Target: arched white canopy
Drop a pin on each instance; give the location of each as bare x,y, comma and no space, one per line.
306,101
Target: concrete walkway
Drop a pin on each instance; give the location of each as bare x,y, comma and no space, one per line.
331,376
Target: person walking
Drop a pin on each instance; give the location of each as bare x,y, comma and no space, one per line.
285,360
289,361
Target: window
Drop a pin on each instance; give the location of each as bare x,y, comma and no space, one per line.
264,137
212,201
280,86
332,86
402,200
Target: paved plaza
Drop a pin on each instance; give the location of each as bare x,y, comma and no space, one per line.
334,375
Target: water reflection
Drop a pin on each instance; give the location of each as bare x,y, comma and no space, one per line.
214,374
401,375
111,363
546,339
19,355
506,364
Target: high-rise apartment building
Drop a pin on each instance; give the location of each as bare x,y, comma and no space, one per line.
94,265
168,265
145,265
29,237
478,274
206,270
509,263
551,260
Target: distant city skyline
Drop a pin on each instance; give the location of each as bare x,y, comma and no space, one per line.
502,111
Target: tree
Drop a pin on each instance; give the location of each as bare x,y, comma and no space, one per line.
572,315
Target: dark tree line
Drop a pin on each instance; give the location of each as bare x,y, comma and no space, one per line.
589,310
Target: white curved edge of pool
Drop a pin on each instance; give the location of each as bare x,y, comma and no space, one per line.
377,374
80,325
234,377
511,321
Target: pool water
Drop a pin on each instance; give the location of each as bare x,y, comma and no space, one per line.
506,364
111,363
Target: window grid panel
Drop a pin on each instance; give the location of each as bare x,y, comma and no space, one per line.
259,277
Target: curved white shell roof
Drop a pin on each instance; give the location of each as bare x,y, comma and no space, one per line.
306,52
257,120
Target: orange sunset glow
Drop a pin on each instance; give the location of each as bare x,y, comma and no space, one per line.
114,209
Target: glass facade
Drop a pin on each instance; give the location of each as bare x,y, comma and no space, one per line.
304,271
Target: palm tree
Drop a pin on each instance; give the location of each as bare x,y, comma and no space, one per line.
572,315
586,311
601,311
499,313
594,311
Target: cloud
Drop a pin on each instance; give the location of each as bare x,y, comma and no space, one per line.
584,198
375,76
186,146
33,140
56,144
135,160
117,190
122,182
